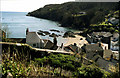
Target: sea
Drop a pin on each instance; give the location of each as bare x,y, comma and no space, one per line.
16,23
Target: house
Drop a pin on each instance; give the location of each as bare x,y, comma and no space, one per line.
104,46
115,45
33,39
115,42
93,48
90,55
113,21
108,55
107,65
115,36
73,48
103,37
101,62
47,44
115,55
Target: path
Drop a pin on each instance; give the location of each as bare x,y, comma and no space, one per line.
41,50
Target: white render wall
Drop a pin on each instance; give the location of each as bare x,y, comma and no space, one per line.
113,47
34,38
104,46
116,48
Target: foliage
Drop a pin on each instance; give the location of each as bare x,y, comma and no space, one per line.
66,62
90,71
114,75
16,69
50,65
106,25
68,14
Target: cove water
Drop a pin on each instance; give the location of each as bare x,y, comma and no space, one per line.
16,23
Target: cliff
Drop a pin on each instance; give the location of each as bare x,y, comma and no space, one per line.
76,14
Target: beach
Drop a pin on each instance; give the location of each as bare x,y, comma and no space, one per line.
76,40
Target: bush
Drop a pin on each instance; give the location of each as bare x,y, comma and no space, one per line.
16,69
66,62
90,71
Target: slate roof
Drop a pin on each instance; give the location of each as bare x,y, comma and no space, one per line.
101,34
101,62
47,44
116,35
107,54
93,48
115,43
96,57
67,49
72,48
104,64
90,55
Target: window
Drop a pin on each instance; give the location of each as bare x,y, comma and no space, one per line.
34,45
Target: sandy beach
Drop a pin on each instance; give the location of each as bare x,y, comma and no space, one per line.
79,40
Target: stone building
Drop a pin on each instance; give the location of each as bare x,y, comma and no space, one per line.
104,37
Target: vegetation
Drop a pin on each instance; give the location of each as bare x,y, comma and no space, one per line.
106,25
90,71
76,15
66,62
19,64
22,61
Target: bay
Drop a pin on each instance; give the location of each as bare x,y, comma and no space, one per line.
16,23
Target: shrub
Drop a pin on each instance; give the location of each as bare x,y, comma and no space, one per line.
90,71
16,69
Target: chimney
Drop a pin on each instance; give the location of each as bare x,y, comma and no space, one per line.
27,30
99,44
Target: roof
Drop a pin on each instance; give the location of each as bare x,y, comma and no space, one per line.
115,43
100,61
96,57
73,48
93,47
101,34
32,32
47,44
90,55
116,35
107,54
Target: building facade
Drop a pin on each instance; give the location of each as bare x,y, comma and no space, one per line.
34,40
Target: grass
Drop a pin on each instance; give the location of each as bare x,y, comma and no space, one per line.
53,65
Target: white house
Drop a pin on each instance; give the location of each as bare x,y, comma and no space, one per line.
104,46
34,40
114,46
115,42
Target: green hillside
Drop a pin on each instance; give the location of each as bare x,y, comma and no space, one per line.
76,15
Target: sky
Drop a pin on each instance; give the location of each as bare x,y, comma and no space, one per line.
31,5
26,5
